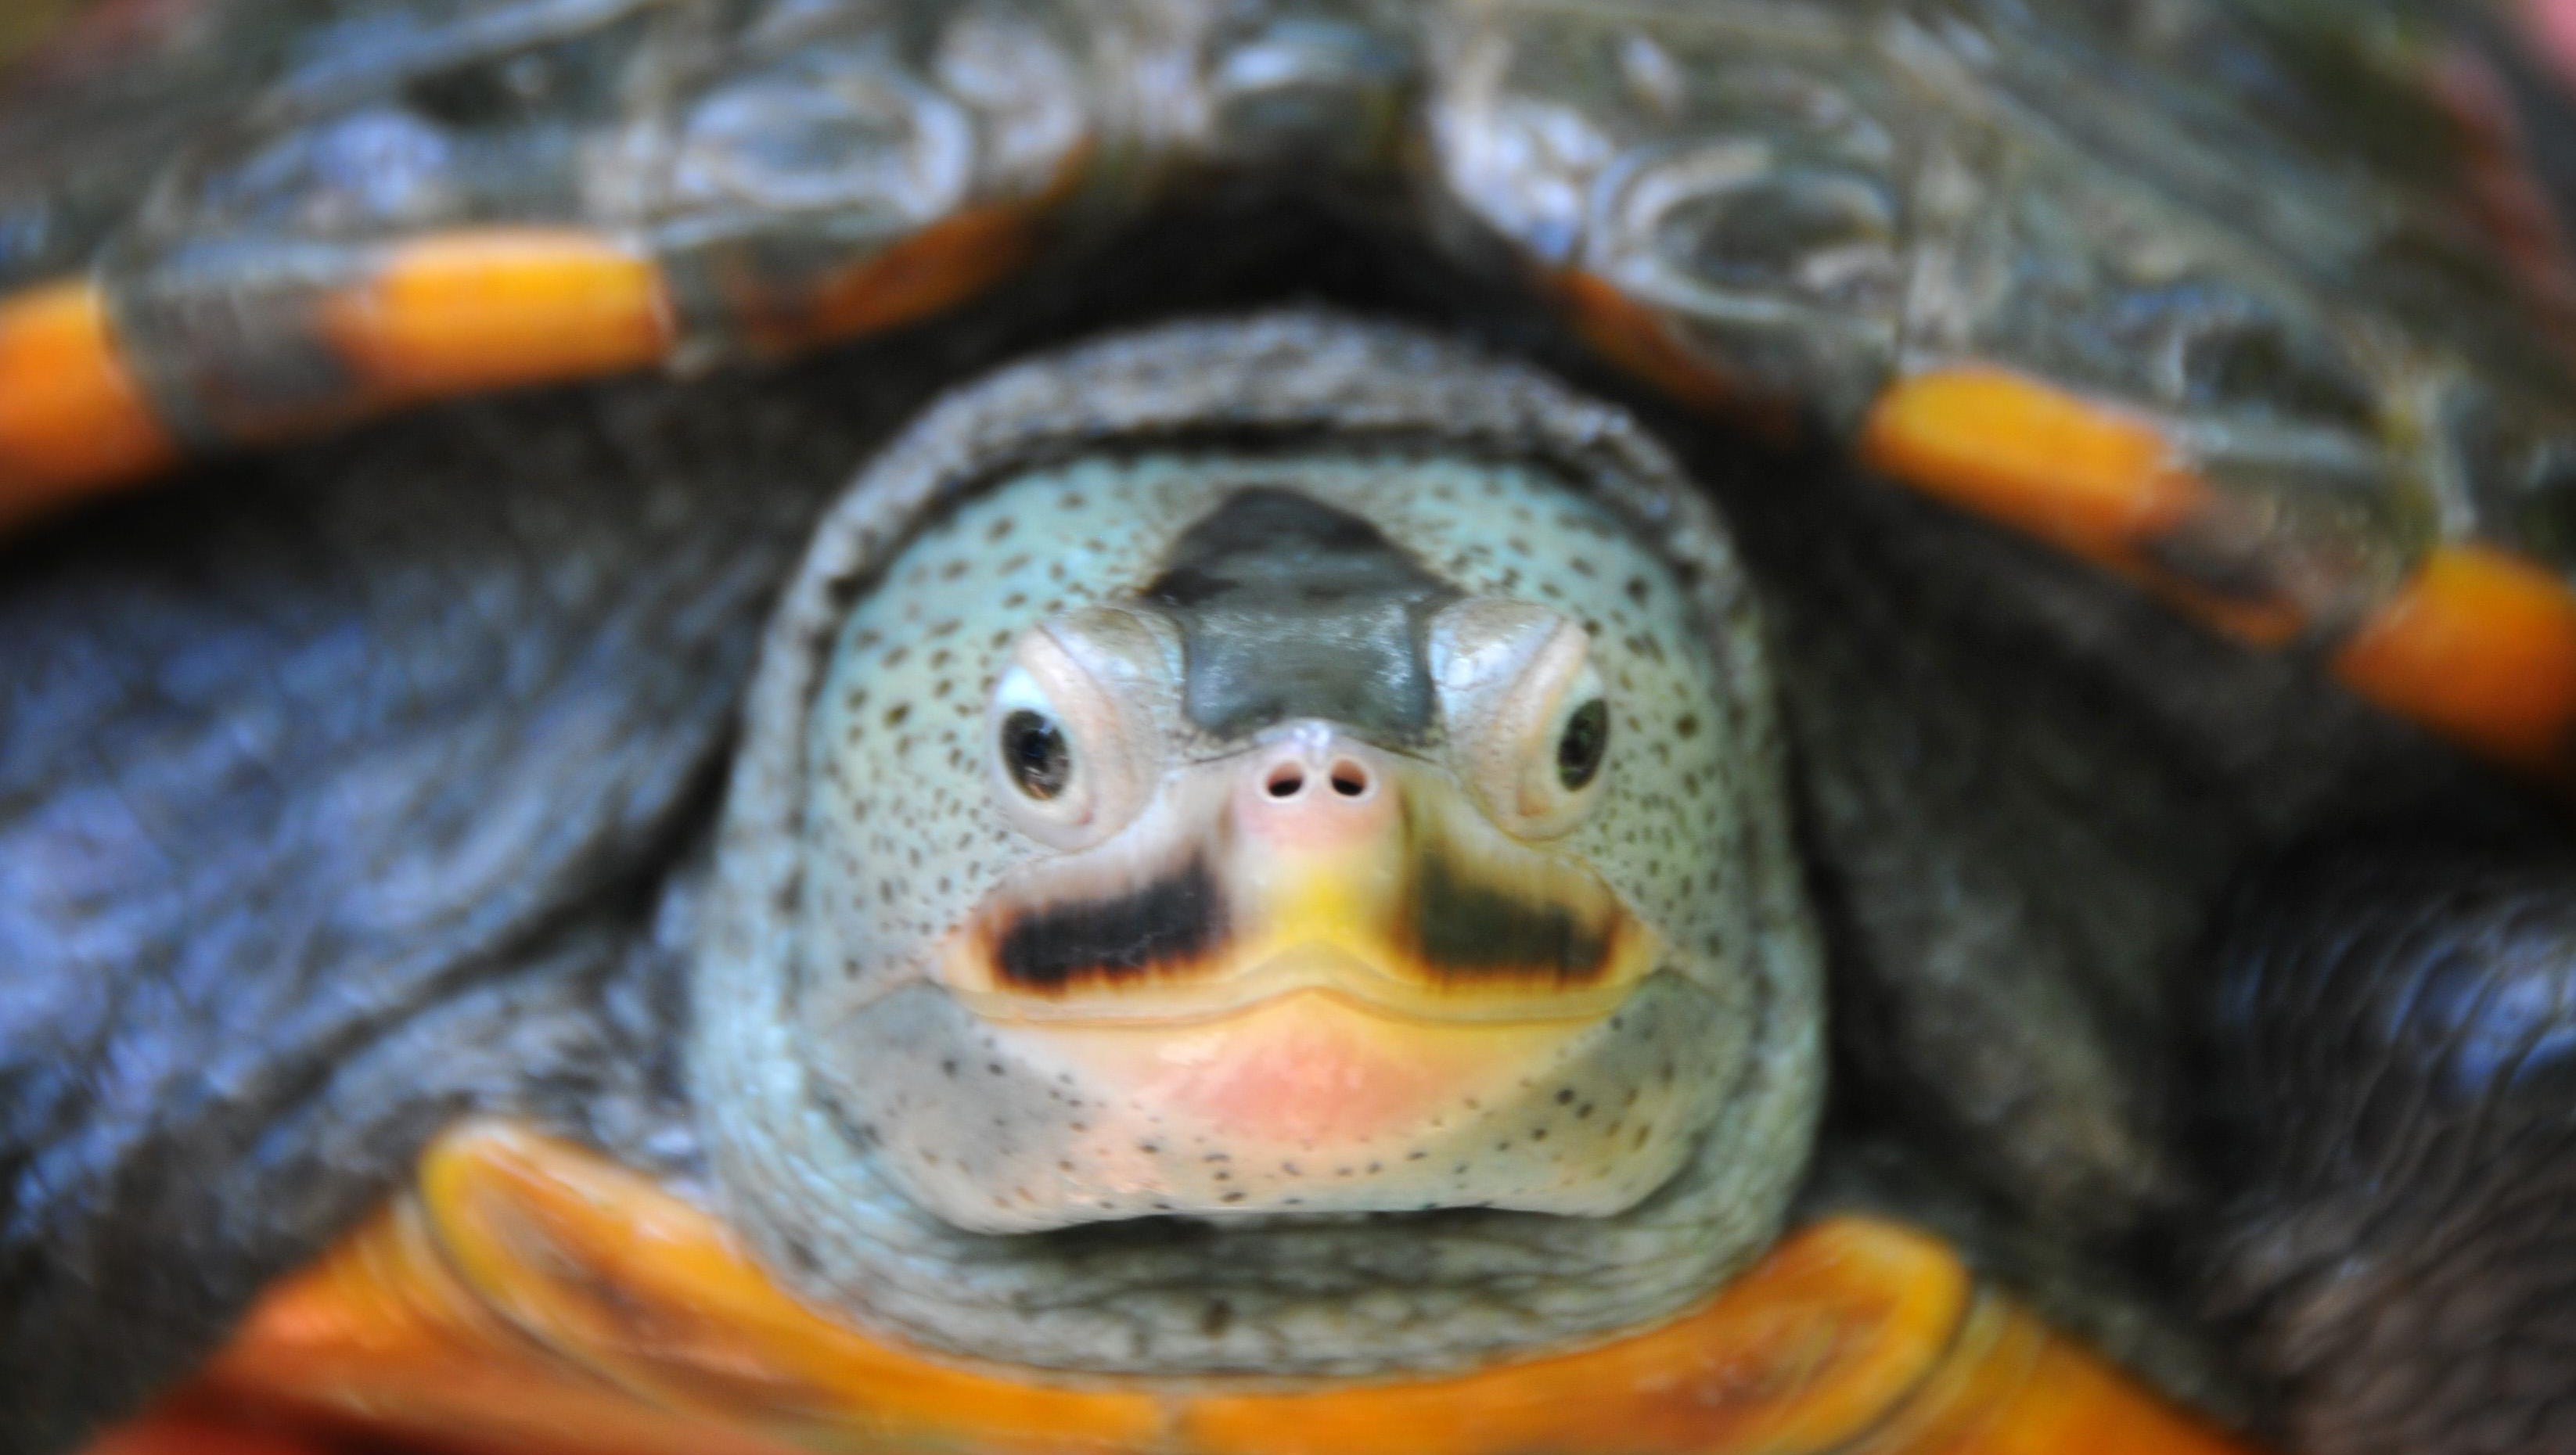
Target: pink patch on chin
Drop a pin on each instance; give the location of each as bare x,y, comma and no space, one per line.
1305,1072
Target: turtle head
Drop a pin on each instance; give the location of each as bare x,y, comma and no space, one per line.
1273,860
1296,925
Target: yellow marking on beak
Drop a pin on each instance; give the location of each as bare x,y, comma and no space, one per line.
1434,919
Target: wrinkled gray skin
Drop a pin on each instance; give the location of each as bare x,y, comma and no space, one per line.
332,811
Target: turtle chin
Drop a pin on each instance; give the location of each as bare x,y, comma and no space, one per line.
1304,1186
1307,1101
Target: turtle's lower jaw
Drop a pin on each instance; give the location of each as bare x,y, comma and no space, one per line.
1309,1100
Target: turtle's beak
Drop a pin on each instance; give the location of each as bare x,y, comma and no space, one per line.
1321,955
1314,864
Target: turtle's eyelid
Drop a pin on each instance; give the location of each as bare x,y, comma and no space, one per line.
1103,732
1020,690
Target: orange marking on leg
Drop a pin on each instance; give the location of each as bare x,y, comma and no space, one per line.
459,313
2098,482
2090,480
72,420
909,280
1635,338
2479,645
536,1299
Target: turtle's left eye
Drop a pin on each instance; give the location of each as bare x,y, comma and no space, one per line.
1528,716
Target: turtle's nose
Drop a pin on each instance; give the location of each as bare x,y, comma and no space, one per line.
1315,791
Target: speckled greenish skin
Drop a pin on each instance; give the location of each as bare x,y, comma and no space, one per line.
862,830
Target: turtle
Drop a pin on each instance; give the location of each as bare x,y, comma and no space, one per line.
1287,724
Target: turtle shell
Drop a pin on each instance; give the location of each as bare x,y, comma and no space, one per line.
2256,305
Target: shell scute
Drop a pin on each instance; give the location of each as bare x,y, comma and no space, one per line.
2151,288
434,199
2299,248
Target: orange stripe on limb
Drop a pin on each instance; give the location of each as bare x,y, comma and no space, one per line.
534,1299
2088,479
446,315
463,312
2480,645
1635,337
71,417
910,279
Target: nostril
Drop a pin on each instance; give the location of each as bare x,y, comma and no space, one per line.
1286,781
1350,780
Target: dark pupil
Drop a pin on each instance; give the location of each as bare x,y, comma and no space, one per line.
1587,737
1033,748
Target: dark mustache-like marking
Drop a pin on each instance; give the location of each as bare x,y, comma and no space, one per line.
1470,931
1179,918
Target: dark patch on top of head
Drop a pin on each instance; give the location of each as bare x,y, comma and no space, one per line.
1291,608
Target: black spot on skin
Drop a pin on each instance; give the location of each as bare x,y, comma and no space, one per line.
1176,919
1216,1318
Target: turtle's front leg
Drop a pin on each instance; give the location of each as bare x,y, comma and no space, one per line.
2394,1052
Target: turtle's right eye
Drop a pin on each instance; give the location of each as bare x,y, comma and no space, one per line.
1035,754
1072,760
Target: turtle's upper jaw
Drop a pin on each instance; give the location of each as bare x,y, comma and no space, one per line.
1311,977
1310,863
